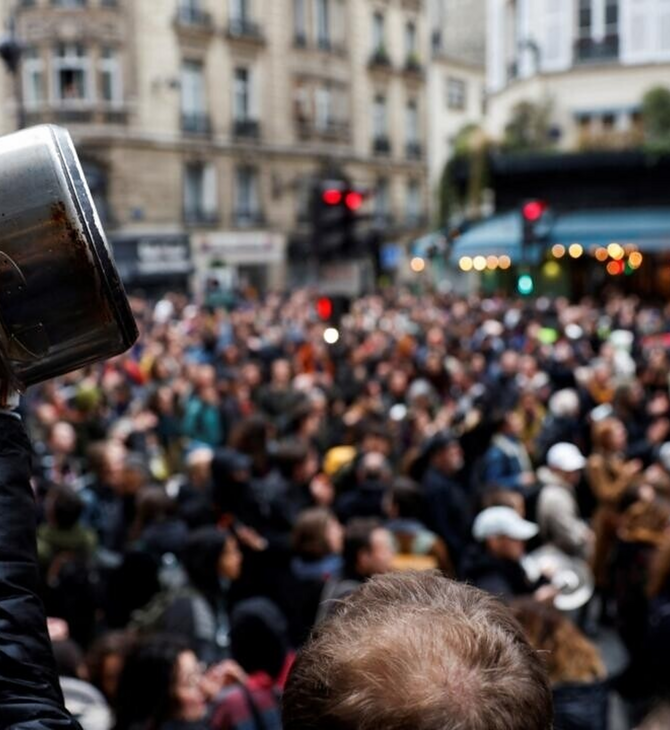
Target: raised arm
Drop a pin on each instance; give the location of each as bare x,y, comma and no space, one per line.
30,696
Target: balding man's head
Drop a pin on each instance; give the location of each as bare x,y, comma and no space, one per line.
415,651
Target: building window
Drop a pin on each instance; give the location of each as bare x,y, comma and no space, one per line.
200,194
379,117
585,18
323,23
239,11
382,204
71,73
412,122
191,12
193,99
111,89
611,17
378,33
323,108
300,22
33,77
411,46
242,95
413,202
456,93
247,207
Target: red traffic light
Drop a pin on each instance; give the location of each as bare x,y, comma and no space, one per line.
332,196
533,210
353,200
324,308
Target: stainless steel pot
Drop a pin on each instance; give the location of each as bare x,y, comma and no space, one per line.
62,304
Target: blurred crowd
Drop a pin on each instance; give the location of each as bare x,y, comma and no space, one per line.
205,499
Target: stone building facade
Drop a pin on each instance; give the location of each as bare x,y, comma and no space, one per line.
202,123
589,62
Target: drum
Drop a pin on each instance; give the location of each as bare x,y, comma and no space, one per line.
62,304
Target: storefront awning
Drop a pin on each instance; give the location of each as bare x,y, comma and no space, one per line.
495,236
648,229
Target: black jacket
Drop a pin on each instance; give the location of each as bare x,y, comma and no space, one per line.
30,696
503,578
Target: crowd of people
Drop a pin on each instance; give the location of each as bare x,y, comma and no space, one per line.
207,498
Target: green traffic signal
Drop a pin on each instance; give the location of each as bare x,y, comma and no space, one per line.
525,285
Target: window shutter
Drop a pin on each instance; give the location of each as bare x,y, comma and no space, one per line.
556,42
637,42
495,45
663,29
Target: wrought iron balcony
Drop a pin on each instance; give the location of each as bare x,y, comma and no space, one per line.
413,150
195,217
196,123
588,50
246,128
245,30
248,218
380,59
381,145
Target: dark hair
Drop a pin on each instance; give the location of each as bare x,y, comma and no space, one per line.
201,559
112,643
357,536
67,506
416,651
145,697
69,658
407,498
309,537
259,636
152,504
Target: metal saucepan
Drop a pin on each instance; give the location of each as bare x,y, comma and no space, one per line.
62,304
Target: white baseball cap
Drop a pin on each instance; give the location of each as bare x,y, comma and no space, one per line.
566,457
496,521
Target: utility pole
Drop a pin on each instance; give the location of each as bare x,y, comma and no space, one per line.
10,52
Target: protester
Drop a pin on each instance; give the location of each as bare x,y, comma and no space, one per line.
557,509
241,421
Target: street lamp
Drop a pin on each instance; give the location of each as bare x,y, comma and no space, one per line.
10,52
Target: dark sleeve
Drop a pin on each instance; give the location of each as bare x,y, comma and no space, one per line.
30,696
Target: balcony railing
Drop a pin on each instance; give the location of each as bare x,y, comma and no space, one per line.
201,217
336,131
246,30
413,66
380,59
194,17
248,218
413,150
196,123
381,145
74,116
92,114
69,3
588,50
246,128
